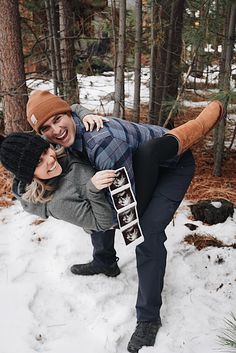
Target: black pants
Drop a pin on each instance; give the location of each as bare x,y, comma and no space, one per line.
170,187
151,254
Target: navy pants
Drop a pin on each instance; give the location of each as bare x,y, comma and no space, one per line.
170,189
104,253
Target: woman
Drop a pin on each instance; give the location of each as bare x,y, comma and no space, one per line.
53,183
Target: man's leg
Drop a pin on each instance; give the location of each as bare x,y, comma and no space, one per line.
146,162
104,256
194,130
151,254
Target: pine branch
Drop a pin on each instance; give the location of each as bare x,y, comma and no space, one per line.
228,339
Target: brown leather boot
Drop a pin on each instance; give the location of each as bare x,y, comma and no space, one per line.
194,130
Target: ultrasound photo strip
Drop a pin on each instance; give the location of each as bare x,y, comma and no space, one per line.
123,198
121,179
132,232
127,216
126,206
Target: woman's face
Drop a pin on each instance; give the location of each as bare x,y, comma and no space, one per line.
48,166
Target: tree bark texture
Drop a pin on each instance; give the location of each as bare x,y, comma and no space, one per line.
51,46
56,41
137,60
13,86
119,105
224,86
54,45
114,33
157,61
167,24
70,83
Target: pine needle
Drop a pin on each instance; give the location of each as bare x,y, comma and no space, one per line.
228,339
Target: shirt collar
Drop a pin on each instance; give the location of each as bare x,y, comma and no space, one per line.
79,132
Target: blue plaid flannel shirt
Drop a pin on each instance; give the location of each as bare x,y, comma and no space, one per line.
112,147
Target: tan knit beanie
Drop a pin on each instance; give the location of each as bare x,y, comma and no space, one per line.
42,105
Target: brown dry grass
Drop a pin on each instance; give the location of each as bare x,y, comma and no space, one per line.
205,185
204,241
6,195
37,221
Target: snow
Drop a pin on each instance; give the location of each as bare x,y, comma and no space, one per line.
211,72
96,92
45,308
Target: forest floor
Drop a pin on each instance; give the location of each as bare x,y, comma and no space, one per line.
204,184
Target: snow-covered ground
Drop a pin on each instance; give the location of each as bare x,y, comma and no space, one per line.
44,308
96,92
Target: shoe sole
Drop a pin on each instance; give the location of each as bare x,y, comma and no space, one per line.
108,274
111,274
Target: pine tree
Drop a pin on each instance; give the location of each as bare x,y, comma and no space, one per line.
13,86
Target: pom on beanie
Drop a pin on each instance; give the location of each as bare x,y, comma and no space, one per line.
42,105
20,153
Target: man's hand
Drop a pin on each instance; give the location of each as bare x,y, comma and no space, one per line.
92,120
103,179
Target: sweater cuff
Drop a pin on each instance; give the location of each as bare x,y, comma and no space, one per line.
92,188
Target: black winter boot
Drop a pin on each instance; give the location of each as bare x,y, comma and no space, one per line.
144,335
92,268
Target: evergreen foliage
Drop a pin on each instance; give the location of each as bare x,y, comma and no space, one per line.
228,338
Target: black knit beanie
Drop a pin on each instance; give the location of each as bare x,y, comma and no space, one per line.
20,153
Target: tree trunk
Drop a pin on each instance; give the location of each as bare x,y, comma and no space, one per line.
13,86
54,46
225,86
119,105
201,55
137,61
157,61
167,70
114,34
175,34
70,83
56,41
165,57
51,46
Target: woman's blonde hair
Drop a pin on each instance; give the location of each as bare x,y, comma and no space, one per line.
38,190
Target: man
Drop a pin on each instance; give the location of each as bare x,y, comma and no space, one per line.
111,148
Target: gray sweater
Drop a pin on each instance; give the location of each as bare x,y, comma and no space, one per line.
75,200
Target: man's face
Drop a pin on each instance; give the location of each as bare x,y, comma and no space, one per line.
59,129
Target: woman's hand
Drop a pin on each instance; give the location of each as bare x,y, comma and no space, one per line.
92,120
103,179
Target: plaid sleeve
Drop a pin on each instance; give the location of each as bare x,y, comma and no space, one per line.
80,111
113,153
